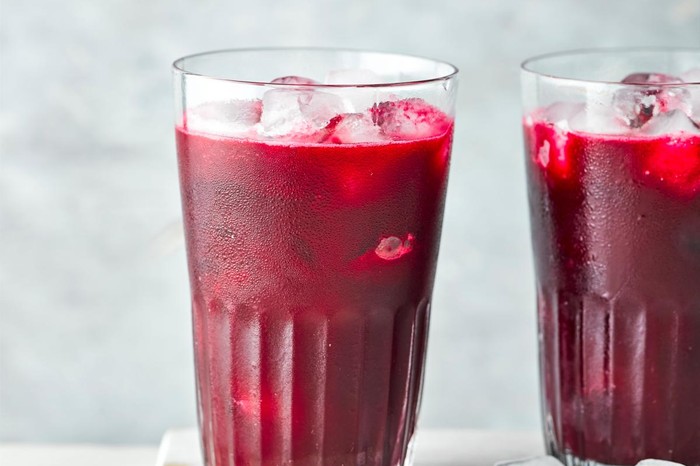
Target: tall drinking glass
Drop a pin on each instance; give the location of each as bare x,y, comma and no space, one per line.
313,183
612,139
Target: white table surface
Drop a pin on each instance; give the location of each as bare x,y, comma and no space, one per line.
28,454
180,448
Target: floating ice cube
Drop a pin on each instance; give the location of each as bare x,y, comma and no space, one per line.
533,461
298,112
294,80
352,77
653,462
655,94
392,247
595,118
409,119
230,118
561,113
598,120
320,107
352,128
673,122
361,99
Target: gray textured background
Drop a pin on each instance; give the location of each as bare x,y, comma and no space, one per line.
95,330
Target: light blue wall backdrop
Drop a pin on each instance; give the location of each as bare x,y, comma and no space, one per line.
95,330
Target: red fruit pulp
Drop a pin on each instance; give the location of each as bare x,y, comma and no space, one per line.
310,343
616,235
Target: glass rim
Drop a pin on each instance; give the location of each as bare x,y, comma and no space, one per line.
178,67
526,66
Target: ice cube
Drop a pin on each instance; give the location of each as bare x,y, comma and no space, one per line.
352,128
653,462
294,80
351,77
598,120
409,119
295,112
637,106
320,107
648,95
229,118
673,122
561,113
361,99
392,247
592,117
533,461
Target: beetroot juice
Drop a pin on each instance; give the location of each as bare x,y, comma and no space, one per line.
616,235
312,261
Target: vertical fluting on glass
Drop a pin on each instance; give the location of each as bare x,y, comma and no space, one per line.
309,399
270,380
376,378
620,377
199,326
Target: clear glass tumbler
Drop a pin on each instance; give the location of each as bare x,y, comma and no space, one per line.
612,139
313,184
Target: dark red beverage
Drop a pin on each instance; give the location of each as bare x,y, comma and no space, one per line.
616,235
312,266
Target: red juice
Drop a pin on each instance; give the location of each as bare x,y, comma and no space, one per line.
311,266
616,236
